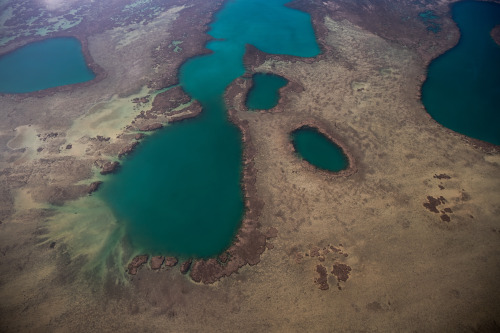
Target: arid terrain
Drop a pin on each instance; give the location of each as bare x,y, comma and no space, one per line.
407,239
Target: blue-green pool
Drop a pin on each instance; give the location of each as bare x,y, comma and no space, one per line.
264,94
318,150
180,192
462,90
45,64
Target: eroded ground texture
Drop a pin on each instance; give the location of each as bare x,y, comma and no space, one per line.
407,240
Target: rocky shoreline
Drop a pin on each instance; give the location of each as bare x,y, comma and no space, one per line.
237,92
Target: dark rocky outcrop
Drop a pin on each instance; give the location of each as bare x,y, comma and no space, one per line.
136,263
94,187
185,266
151,127
109,167
128,149
171,261
156,262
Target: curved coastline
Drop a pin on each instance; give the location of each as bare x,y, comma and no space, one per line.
97,70
483,146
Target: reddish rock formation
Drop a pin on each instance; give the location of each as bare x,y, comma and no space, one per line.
151,127
322,280
171,261
136,263
128,149
139,136
156,262
185,266
94,187
109,167
341,271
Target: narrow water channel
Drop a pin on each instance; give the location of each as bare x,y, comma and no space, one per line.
180,192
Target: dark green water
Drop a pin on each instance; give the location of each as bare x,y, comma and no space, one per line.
180,193
46,64
318,150
264,94
462,90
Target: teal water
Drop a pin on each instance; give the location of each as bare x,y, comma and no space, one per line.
264,94
180,193
318,150
462,90
46,64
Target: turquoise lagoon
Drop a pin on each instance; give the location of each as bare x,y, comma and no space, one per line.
462,90
180,192
318,150
264,94
45,64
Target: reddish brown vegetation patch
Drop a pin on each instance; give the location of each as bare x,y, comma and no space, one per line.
322,280
433,203
341,271
185,266
136,263
445,218
156,262
442,176
171,261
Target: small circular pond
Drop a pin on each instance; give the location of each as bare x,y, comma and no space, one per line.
319,150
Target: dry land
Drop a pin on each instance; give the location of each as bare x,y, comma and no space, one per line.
406,240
